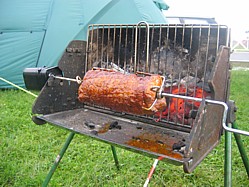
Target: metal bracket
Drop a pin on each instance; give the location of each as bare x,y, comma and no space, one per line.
231,111
60,92
202,132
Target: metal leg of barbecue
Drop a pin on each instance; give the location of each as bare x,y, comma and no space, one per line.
228,159
60,155
241,148
58,159
228,153
114,153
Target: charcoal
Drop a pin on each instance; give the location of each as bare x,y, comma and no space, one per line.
178,145
89,124
114,125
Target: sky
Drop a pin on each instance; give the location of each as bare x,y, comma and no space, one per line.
234,14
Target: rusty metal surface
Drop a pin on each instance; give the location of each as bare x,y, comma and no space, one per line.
133,135
207,128
204,136
60,95
220,75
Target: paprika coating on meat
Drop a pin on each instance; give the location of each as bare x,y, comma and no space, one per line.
120,92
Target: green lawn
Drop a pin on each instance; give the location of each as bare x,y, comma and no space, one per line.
27,152
240,64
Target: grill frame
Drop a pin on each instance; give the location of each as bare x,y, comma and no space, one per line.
111,45
59,98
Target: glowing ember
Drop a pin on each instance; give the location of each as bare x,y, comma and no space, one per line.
178,110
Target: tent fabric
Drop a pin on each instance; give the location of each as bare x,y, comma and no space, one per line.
18,51
25,15
73,22
35,33
64,23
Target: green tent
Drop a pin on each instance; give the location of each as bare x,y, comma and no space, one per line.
35,33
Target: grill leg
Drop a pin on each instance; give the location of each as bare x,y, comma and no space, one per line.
228,159
114,153
241,148
58,159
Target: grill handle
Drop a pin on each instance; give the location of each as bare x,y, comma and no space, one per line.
147,44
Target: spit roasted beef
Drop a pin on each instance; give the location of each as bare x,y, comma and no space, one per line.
120,92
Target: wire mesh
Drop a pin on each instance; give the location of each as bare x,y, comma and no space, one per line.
183,54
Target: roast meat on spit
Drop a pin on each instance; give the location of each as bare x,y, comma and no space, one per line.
129,93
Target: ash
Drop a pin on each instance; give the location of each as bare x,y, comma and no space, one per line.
174,62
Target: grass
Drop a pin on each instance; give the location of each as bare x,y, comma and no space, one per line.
240,64
27,152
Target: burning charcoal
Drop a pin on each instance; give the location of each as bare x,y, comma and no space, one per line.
114,125
193,113
204,85
178,145
189,81
171,82
89,124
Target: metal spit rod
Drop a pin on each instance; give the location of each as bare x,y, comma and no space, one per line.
77,79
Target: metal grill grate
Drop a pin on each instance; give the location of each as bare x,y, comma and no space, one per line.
184,54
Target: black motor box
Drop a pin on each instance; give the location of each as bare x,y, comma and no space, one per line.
35,78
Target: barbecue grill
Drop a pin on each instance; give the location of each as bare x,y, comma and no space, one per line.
194,63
